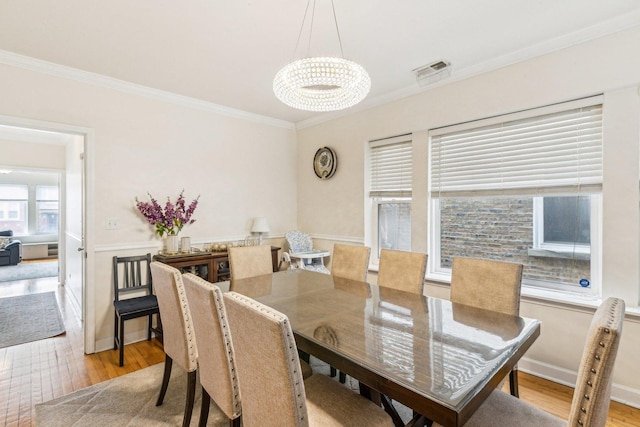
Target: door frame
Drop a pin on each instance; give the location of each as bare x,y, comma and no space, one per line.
88,286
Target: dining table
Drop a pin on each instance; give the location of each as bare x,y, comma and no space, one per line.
438,358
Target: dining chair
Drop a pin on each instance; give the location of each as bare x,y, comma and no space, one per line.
350,262
402,270
491,285
133,297
255,287
216,357
250,261
592,394
179,339
278,396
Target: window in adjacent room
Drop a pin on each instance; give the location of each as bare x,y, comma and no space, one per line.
13,208
47,209
525,188
390,175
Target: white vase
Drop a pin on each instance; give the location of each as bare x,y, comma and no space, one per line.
171,244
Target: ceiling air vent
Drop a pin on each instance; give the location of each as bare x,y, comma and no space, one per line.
432,73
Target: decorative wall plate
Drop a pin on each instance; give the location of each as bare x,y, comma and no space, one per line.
325,163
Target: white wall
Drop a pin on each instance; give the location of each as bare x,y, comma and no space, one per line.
139,144
335,209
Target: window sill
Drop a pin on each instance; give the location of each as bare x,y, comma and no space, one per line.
553,298
545,253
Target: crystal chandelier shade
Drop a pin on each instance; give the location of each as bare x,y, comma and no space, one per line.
321,84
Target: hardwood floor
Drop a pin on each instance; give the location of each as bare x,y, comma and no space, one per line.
36,372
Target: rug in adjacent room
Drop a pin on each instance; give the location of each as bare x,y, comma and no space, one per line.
28,270
29,318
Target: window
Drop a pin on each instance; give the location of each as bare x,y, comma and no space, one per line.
523,188
562,224
390,194
47,209
13,208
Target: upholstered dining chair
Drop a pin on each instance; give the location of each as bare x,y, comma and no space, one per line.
350,262
278,396
179,339
592,395
491,285
132,297
250,261
402,270
216,357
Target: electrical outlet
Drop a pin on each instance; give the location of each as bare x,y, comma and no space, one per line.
111,223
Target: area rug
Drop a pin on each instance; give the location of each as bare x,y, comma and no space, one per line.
129,400
29,318
30,270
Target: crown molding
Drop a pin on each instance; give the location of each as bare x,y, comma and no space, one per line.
596,31
62,71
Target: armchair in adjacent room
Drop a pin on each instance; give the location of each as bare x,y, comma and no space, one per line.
10,249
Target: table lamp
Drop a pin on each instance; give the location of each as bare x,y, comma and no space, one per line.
260,226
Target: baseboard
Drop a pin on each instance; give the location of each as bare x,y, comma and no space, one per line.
619,393
129,338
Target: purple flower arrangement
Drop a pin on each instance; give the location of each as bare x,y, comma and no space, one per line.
170,219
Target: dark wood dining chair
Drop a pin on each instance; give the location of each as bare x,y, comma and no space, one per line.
179,340
491,285
133,297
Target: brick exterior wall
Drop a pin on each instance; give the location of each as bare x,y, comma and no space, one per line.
501,229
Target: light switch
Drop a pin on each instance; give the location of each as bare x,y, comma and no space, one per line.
111,223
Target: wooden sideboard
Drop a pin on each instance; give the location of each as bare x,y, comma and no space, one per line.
212,266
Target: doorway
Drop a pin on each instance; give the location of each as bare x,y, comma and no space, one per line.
34,145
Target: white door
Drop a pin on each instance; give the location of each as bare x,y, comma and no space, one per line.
74,222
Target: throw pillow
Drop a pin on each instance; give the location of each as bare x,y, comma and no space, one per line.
4,242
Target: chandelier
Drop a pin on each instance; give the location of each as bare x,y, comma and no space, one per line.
321,83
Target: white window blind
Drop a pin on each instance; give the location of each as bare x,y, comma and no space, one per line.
391,167
559,146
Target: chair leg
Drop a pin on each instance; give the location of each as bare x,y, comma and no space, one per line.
342,377
237,422
115,331
150,327
191,397
204,408
121,339
332,371
168,362
513,383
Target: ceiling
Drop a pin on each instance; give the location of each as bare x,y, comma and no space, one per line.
227,52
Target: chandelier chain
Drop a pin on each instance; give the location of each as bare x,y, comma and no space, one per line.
335,19
306,11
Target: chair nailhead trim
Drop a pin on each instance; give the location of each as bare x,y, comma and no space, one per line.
589,383
593,370
597,356
601,344
586,396
580,422
583,409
